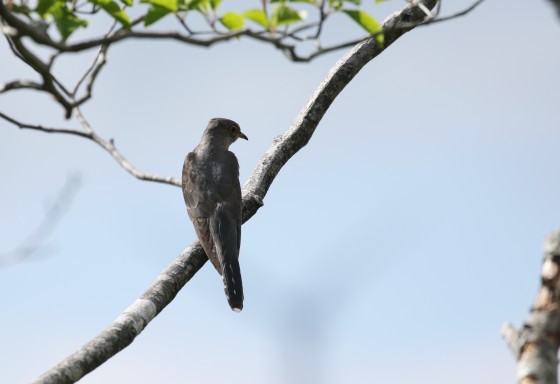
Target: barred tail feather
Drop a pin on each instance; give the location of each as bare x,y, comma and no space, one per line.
233,286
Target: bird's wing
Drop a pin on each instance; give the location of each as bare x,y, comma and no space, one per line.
199,206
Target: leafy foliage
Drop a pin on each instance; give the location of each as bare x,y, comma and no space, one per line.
70,15
232,20
258,16
114,10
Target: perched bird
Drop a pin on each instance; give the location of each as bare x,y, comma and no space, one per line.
213,196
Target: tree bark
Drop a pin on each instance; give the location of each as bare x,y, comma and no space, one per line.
536,344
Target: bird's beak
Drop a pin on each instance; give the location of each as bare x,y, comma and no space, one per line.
242,136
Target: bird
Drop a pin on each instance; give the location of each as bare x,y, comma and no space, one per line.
210,184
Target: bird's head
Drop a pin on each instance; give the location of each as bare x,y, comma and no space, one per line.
223,132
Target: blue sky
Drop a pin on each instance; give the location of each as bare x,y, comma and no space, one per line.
391,249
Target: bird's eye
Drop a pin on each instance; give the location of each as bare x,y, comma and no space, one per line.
233,129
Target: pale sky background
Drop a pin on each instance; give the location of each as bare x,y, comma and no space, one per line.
391,249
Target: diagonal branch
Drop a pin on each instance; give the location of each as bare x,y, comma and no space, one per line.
90,75
536,344
50,83
92,72
136,317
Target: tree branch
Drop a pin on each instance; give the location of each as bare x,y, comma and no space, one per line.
135,318
276,39
20,84
43,69
92,72
107,145
536,344
432,18
14,28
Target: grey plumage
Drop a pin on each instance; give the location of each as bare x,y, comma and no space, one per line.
213,196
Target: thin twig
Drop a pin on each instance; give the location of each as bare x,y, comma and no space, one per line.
20,84
84,123
98,62
434,20
49,81
107,145
183,23
41,128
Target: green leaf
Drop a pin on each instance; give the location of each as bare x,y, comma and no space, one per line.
258,16
170,5
215,3
366,22
232,20
198,5
283,14
191,4
380,1
336,4
114,10
355,2
127,2
66,21
154,14
43,7
380,38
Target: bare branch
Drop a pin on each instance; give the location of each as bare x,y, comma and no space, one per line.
135,318
536,344
98,62
108,145
41,128
20,84
49,81
432,17
458,14
128,325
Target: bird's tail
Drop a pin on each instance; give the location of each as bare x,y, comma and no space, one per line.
225,229
233,286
